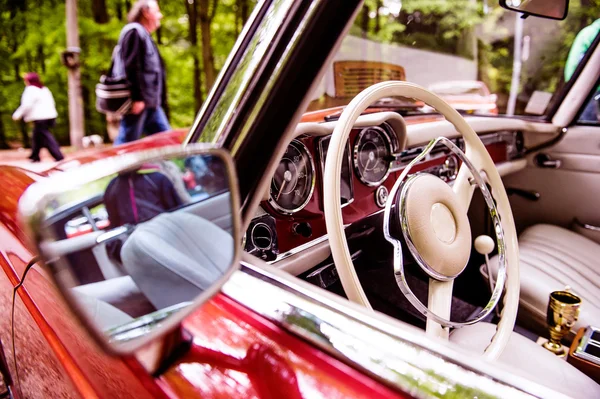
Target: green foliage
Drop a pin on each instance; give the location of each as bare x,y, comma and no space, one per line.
434,25
33,35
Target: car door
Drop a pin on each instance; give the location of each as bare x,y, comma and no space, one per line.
565,172
53,356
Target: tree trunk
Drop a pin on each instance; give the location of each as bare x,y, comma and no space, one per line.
364,22
192,11
99,11
41,58
377,21
3,143
119,10
244,11
159,36
207,54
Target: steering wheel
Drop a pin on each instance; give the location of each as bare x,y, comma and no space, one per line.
433,219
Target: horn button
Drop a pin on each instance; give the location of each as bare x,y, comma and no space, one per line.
435,226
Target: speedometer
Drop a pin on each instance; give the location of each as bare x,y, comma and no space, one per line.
294,180
372,153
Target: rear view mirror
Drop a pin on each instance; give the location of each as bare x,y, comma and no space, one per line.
135,241
553,9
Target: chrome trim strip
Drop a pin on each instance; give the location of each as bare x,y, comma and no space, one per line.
583,344
310,244
586,226
399,356
299,248
282,9
221,76
111,234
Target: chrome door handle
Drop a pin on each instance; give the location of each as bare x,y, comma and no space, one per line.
545,161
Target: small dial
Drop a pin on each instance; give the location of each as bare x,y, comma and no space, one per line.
294,180
372,156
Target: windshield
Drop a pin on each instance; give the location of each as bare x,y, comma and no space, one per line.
479,57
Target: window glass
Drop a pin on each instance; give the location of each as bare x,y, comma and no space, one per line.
481,58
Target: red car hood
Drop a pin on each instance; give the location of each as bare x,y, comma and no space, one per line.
173,137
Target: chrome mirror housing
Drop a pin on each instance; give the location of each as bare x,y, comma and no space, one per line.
137,241
552,9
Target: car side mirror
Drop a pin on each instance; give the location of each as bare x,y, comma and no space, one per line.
552,9
137,241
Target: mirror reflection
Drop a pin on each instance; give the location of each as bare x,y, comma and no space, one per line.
555,9
134,247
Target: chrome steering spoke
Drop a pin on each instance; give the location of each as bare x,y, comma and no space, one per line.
439,309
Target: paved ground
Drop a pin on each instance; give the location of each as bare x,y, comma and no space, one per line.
19,157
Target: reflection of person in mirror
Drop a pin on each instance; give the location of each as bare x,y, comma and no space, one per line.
137,196
208,174
580,46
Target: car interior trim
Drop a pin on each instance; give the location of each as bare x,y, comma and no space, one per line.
422,133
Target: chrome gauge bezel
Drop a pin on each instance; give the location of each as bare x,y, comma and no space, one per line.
311,163
388,142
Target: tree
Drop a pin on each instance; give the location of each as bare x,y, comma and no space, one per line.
192,10
100,11
207,14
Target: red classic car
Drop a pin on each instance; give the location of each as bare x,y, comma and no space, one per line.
318,254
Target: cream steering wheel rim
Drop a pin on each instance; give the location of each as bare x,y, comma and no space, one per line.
475,151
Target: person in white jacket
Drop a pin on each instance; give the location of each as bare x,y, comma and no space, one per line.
37,106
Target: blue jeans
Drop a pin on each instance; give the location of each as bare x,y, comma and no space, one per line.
149,121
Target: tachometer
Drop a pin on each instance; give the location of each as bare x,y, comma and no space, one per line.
294,179
372,153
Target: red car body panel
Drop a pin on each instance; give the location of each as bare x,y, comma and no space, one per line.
235,353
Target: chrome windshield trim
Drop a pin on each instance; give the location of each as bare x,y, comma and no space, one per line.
284,59
402,358
228,66
243,73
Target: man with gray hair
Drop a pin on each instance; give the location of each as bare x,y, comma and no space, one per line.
137,59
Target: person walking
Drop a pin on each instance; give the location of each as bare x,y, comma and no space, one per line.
137,59
37,106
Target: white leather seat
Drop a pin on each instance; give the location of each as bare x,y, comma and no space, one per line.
551,258
174,257
529,360
101,313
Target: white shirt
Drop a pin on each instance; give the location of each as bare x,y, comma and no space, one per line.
36,105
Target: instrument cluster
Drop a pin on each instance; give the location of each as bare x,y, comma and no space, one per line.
368,155
293,216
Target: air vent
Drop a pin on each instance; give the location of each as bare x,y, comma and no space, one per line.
262,236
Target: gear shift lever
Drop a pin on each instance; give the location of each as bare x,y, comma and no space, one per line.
484,245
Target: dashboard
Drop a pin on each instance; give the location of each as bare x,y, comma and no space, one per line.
292,219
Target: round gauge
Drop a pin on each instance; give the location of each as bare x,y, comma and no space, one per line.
294,179
372,151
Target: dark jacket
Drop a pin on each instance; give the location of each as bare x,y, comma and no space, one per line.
138,196
136,58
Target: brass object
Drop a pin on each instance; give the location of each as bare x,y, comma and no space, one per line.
563,311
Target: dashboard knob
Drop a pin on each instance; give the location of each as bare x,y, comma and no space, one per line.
484,244
303,229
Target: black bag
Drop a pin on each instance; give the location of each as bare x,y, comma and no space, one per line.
113,95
